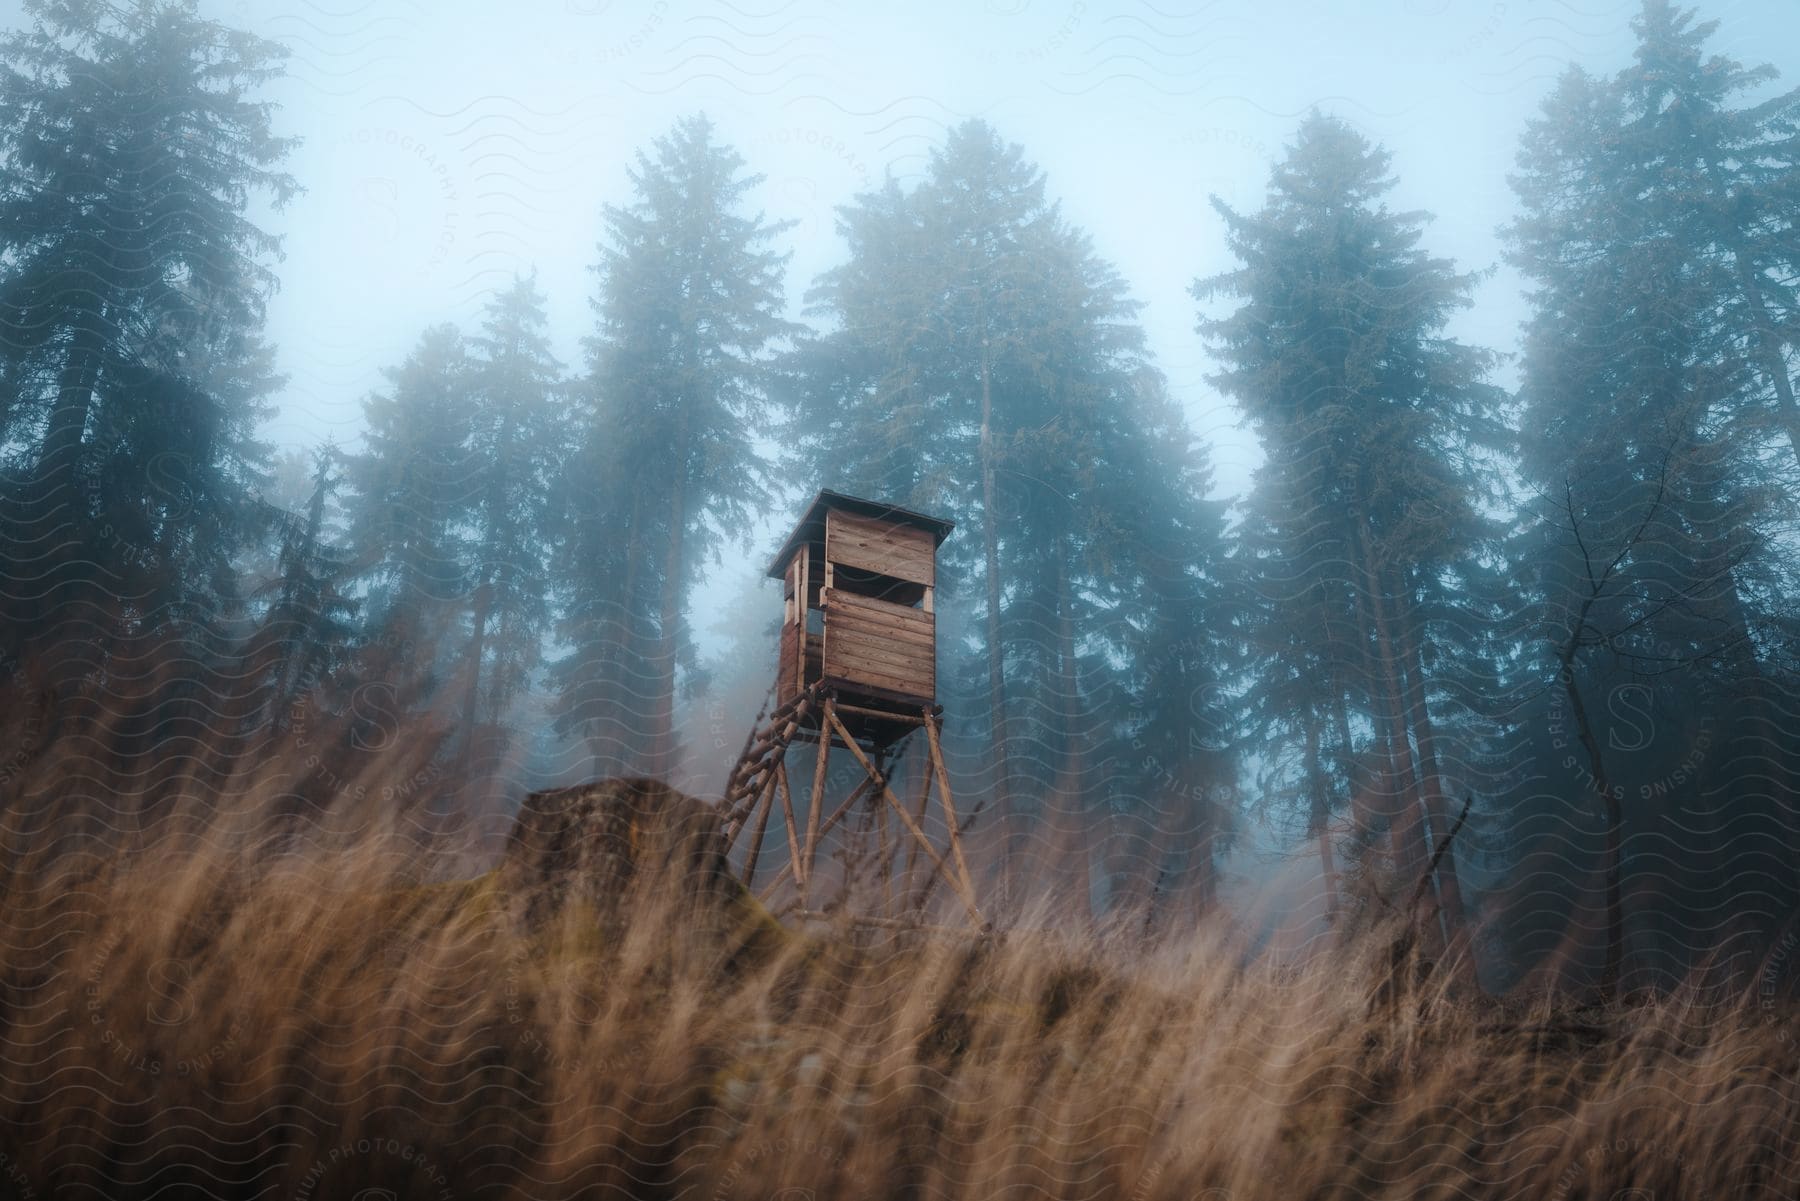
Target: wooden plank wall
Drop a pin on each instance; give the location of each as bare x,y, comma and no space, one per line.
868,544
786,682
884,646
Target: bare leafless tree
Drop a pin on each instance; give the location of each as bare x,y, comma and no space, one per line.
1586,630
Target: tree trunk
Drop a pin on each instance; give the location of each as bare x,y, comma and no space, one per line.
76,383
301,597
1361,814
477,649
1073,850
1002,794
1319,823
618,644
1410,833
662,730
78,596
1436,796
1610,848
1407,832
629,658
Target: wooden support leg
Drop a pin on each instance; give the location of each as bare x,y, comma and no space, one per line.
883,861
919,810
963,889
837,815
803,870
756,839
949,802
787,813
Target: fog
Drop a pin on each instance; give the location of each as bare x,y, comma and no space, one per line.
446,147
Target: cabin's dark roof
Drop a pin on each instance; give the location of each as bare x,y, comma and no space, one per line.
811,527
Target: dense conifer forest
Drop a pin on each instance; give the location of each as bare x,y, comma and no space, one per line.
1497,642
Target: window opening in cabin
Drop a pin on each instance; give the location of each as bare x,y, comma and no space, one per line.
877,586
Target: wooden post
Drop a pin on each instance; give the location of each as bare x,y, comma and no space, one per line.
763,777
787,812
802,592
881,856
756,839
964,891
803,871
949,802
837,815
912,850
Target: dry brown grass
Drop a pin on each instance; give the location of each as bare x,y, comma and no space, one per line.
208,1019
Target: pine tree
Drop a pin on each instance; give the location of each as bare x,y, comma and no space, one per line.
689,302
1367,506
515,445
131,296
1171,720
414,490
602,598
300,643
981,361
1657,228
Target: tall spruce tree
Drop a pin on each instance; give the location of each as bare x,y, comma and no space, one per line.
1657,228
928,335
1170,717
1366,509
603,598
980,360
689,304
300,644
414,491
516,441
132,287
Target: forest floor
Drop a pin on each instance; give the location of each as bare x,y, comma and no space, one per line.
310,1025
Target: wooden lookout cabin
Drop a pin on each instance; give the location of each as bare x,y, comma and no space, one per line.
858,617
857,671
